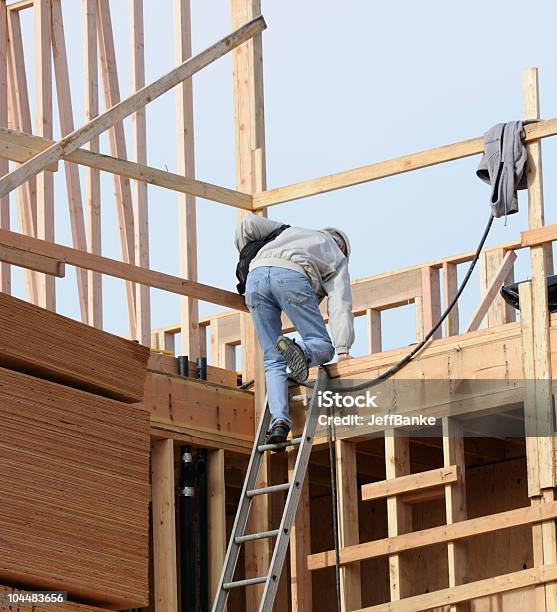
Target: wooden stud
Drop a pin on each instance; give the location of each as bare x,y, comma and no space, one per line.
455,503
5,271
63,90
164,527
491,293
500,312
450,288
187,217
374,341
43,127
431,299
92,175
117,145
141,213
347,496
300,547
216,518
399,514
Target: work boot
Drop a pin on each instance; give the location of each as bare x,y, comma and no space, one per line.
278,435
295,358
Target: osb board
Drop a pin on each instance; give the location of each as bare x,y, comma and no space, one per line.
67,606
48,345
490,489
74,476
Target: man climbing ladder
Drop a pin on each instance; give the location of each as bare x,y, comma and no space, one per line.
290,270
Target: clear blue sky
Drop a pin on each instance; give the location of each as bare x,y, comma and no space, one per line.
345,85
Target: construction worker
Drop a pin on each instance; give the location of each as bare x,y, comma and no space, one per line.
291,269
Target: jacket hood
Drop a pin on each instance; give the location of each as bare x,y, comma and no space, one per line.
339,233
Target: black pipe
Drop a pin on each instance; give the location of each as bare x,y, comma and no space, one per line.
201,469
202,368
186,515
183,365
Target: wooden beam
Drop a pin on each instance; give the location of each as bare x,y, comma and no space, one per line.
538,235
499,311
348,523
450,287
20,5
20,146
92,175
32,261
492,290
43,127
472,590
455,503
216,518
164,528
65,113
374,340
391,167
130,105
412,482
117,146
436,535
5,272
141,212
431,299
185,158
122,270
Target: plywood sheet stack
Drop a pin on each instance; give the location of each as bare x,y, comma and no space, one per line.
74,465
48,345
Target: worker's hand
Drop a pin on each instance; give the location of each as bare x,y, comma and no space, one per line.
344,357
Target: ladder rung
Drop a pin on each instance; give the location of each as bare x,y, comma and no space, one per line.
243,583
265,490
256,536
265,447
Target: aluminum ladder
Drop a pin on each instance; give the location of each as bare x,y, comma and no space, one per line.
294,488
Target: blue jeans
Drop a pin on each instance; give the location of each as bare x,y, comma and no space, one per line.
269,292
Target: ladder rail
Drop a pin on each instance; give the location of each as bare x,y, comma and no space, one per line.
242,514
293,498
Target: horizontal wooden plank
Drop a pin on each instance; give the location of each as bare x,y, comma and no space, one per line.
21,147
104,265
412,482
472,590
32,261
20,5
435,535
391,167
49,345
538,236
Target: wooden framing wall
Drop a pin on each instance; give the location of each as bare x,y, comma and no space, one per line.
224,418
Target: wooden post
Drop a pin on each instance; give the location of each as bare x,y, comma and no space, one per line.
92,176
455,504
164,526
77,221
187,214
399,514
347,496
43,127
117,145
374,341
450,287
499,312
20,115
141,214
247,66
5,270
431,299
216,518
541,400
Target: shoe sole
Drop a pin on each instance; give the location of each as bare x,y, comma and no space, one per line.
294,357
